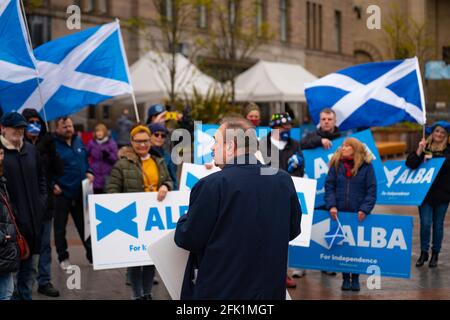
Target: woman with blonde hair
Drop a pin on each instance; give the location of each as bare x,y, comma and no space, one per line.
140,169
102,151
351,187
434,207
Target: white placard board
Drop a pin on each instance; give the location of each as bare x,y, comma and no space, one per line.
88,188
123,225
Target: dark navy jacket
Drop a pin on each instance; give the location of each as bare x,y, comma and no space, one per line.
27,189
237,230
439,192
76,165
358,193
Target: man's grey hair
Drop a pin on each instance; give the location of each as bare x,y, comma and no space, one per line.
242,132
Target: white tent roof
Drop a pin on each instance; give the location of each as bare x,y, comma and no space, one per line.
150,77
273,82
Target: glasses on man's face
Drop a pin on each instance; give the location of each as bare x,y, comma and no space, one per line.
142,142
160,135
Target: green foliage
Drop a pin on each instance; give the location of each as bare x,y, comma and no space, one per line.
407,38
33,4
134,24
211,108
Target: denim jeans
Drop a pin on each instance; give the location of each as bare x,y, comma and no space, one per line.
432,216
141,280
6,286
45,256
25,278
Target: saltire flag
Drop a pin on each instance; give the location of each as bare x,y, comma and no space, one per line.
83,68
371,94
17,64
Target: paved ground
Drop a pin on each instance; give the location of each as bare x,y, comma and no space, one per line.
425,283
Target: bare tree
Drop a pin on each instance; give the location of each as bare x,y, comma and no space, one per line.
173,22
408,38
234,38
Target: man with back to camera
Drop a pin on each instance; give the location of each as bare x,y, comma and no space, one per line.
239,223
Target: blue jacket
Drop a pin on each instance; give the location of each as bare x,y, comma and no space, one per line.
76,165
358,193
171,167
239,221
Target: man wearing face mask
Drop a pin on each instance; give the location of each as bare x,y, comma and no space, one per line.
36,134
279,141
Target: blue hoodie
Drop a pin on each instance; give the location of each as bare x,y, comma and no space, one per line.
76,165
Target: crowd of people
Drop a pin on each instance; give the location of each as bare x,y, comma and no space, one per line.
41,176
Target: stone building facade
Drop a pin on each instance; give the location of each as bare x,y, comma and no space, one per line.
322,35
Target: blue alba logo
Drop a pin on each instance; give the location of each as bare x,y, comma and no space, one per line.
123,220
111,221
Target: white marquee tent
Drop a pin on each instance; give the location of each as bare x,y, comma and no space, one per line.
273,82
150,77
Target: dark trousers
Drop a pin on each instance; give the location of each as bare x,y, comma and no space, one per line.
62,208
45,255
141,280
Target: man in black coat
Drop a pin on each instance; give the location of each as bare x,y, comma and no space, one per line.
36,134
239,223
325,134
27,188
279,150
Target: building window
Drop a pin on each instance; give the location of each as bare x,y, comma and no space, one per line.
105,112
89,5
284,20
40,29
338,30
446,54
260,10
202,22
313,25
103,6
91,111
232,12
167,9
362,56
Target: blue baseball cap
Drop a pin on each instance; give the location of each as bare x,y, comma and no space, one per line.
155,109
13,120
157,127
442,124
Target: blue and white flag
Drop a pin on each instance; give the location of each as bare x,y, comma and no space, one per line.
371,94
17,64
83,68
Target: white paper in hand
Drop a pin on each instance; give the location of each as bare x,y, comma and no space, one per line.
170,261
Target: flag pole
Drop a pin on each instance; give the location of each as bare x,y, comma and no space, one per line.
34,61
133,97
422,96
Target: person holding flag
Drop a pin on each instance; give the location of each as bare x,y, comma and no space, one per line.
434,207
369,95
351,187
